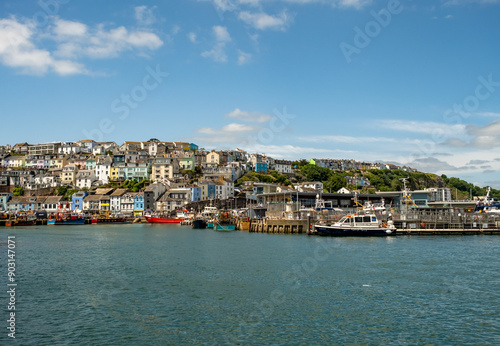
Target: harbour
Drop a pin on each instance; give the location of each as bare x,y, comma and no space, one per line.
170,284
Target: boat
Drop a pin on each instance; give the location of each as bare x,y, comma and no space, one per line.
375,207
209,214
357,225
487,205
67,219
64,216
22,218
107,218
161,219
224,222
199,223
321,205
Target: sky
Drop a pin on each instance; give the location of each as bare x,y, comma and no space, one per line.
414,83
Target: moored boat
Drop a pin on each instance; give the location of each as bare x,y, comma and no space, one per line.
199,224
357,225
107,219
73,219
224,227
161,219
224,222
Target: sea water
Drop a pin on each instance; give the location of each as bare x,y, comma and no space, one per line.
170,284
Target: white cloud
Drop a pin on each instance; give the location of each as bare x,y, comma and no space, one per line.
17,50
73,41
243,57
192,37
221,33
294,152
345,139
438,131
64,28
248,116
218,52
263,21
102,43
145,15
233,134
463,2
482,137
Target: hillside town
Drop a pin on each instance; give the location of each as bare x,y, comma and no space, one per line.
166,176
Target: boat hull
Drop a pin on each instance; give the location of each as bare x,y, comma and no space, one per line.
108,220
224,228
79,221
152,219
199,224
354,232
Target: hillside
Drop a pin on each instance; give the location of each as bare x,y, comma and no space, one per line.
379,180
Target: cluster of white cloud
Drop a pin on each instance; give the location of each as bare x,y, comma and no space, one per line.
234,134
251,13
69,42
222,37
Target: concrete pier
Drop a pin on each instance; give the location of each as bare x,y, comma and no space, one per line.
280,226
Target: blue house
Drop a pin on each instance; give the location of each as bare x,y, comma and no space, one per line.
4,198
195,194
77,199
119,158
139,204
261,167
193,146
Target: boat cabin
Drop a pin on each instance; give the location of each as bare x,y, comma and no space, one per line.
359,220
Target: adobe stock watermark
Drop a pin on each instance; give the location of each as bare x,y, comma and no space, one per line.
363,37
50,8
278,123
455,115
265,308
127,102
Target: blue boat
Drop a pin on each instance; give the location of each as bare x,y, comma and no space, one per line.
357,226
224,228
77,221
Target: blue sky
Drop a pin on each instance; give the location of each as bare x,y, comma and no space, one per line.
408,82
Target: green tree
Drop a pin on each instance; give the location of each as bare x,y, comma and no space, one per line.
335,183
315,173
18,191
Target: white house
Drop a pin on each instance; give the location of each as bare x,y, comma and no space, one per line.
103,168
115,200
85,178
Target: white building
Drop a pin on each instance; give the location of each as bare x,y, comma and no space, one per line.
103,168
115,200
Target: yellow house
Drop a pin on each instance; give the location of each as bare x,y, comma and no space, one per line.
213,157
58,161
113,173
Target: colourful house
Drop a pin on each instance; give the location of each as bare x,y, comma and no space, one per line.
77,199
139,204
114,173
261,167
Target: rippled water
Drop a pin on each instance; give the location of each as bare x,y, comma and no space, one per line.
157,284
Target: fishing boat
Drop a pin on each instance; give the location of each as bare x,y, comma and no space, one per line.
64,216
199,223
488,205
107,218
22,218
224,222
161,219
72,219
357,225
209,214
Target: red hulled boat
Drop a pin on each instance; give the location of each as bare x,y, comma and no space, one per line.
161,219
